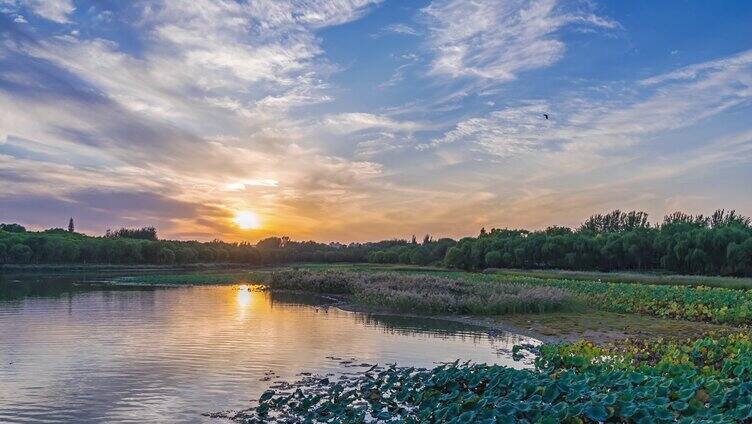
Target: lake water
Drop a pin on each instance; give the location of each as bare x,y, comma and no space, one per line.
73,353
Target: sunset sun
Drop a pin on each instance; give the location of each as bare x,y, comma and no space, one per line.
247,220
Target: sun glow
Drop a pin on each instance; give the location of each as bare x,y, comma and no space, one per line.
247,220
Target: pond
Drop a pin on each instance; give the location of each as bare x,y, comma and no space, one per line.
87,353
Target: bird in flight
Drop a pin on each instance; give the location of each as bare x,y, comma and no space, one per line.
545,115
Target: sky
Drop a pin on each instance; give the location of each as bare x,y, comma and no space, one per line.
354,120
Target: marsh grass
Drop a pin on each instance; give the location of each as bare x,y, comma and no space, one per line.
430,294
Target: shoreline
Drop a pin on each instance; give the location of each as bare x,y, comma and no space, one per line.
477,321
512,323
341,302
566,326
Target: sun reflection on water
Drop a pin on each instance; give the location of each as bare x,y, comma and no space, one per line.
244,296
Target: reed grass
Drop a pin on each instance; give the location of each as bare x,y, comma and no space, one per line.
426,293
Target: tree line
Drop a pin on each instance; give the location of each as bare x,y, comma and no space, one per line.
718,244
131,246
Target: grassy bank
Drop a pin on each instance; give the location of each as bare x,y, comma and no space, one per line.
705,304
630,277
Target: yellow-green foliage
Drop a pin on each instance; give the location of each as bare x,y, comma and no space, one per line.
681,302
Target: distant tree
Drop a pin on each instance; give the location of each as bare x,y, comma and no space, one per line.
221,254
4,257
56,230
270,243
616,221
144,233
377,257
455,258
699,221
404,257
558,231
721,218
20,253
391,256
12,228
493,259
166,256
720,244
70,252
186,255
419,257
70,226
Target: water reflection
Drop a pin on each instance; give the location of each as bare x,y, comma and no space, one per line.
168,355
244,296
244,299
23,286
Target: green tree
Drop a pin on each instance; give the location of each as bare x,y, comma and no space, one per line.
494,259
20,253
186,255
4,256
12,228
455,258
166,256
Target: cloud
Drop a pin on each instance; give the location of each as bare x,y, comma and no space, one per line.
258,182
504,132
398,75
397,28
203,108
98,210
204,59
586,122
353,122
199,109
693,72
498,39
53,10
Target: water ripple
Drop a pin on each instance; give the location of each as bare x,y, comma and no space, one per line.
168,355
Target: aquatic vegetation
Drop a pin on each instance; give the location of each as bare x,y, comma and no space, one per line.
464,393
681,302
724,356
629,277
705,380
425,293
